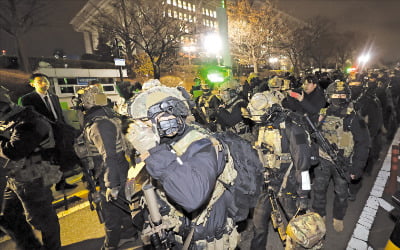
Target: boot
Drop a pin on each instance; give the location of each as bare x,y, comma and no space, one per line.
338,225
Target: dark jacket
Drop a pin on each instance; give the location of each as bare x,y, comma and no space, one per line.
355,124
231,114
189,182
311,104
33,99
28,131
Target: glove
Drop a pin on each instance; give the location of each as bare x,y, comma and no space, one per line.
112,193
355,173
142,136
302,203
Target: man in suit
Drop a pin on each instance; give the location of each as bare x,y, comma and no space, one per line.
48,105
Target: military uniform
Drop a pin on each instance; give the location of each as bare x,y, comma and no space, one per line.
27,196
229,116
103,136
189,168
342,127
284,150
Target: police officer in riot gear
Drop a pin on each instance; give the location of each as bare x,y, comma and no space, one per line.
185,164
25,136
347,132
102,135
284,149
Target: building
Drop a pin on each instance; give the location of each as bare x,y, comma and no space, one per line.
201,12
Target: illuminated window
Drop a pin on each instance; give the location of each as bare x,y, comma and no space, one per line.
215,24
180,16
175,14
168,1
203,11
170,13
207,13
194,7
184,5
214,14
189,6
179,3
174,2
190,18
185,17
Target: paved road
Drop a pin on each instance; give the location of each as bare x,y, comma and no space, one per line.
367,223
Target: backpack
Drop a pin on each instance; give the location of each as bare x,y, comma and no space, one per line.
249,181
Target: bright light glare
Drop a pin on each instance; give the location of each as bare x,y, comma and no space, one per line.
273,60
212,43
364,58
215,77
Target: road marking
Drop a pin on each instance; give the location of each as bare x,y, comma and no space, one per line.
359,239
73,209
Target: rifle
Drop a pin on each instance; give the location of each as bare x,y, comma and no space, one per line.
330,149
158,232
278,220
94,196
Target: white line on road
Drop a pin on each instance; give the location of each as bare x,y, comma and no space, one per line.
359,239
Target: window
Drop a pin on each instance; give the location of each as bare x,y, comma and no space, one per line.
175,14
214,14
189,5
65,81
170,13
184,5
179,3
174,2
168,1
194,7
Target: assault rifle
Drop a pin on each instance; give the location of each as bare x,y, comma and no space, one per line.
277,218
94,195
330,149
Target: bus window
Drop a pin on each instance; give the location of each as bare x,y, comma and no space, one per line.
67,90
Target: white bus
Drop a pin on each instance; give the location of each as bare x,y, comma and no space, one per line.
66,81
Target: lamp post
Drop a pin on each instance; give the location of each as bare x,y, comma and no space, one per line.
213,45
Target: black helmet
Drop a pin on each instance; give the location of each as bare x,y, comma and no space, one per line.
338,87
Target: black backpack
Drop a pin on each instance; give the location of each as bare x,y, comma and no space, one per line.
248,183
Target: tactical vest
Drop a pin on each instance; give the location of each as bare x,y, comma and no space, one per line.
270,144
227,177
32,167
333,130
121,143
240,127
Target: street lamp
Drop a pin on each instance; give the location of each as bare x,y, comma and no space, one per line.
363,59
212,44
273,61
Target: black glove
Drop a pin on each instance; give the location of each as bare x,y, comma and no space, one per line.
302,203
357,172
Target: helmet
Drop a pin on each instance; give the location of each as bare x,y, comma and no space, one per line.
166,102
90,96
275,83
151,84
338,87
139,107
261,104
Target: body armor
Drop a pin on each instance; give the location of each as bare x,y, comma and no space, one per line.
333,130
270,143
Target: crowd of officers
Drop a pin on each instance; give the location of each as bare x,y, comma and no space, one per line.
171,131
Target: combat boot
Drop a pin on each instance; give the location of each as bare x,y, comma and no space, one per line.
338,225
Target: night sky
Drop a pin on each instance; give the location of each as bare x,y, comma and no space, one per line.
379,19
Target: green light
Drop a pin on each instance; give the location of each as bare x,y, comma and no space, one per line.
215,77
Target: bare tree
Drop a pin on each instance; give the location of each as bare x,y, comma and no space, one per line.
18,17
253,28
346,46
149,26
